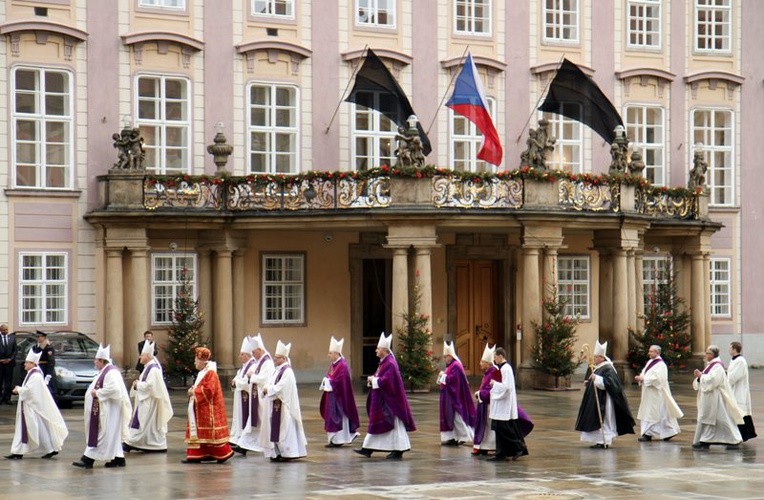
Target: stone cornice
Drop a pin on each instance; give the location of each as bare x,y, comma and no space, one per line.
488,62
140,37
292,48
392,55
552,66
645,72
725,76
34,25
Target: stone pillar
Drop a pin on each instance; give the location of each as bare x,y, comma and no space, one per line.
549,284
238,296
620,306
632,289
205,290
698,315
707,297
424,281
606,296
400,286
223,307
114,334
639,290
137,315
531,312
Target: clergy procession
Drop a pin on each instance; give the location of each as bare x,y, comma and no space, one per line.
266,416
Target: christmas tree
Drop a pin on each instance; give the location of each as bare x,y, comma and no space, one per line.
553,351
415,357
666,324
185,333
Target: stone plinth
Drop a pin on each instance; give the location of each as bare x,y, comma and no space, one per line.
628,198
123,190
541,194
410,191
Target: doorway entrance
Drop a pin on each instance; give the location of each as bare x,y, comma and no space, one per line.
376,285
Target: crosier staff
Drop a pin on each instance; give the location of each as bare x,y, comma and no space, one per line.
586,352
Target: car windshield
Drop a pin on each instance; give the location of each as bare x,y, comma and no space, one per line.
73,346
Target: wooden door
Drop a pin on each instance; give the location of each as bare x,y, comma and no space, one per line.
477,306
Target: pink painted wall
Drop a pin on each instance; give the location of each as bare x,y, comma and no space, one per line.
426,67
325,64
677,115
517,81
218,74
603,61
42,222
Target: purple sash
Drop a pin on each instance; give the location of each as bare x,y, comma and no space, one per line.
95,410
135,424
276,412
652,363
24,435
254,401
245,398
711,365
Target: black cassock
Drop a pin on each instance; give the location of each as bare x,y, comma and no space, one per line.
587,414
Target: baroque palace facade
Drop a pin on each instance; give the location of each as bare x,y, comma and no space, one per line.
99,249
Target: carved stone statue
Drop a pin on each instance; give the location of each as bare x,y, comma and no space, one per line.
619,152
698,172
636,165
540,145
130,152
410,151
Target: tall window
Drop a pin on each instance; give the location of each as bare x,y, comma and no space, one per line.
273,8
283,289
165,123
561,20
273,129
568,148
644,24
573,284
375,13
42,128
644,126
720,287
713,134
42,289
373,133
472,17
655,272
713,25
466,141
167,277
164,4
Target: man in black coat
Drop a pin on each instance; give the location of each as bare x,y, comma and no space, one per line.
7,362
47,360
147,336
604,392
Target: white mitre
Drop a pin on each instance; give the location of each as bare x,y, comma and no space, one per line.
600,349
148,349
246,346
33,357
283,350
104,352
488,354
336,345
256,342
385,342
448,349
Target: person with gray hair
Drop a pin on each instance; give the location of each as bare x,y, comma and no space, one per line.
718,413
658,412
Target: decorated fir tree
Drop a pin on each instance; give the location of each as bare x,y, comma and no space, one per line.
414,354
185,333
553,351
666,324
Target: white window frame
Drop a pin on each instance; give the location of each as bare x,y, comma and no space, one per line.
720,274
373,14
469,17
710,8
656,271
473,140
557,125
375,134
283,285
659,143
163,124
175,282
162,4
40,119
44,284
572,307
648,11
273,130
271,6
705,134
558,12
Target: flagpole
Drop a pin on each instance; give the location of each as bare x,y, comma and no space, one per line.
535,107
352,76
453,77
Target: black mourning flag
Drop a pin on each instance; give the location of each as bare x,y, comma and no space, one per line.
575,95
375,78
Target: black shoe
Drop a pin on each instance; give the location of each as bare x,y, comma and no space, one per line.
277,458
395,455
238,449
701,445
476,453
644,438
14,456
364,451
127,448
515,458
49,455
598,446
187,461
669,438
450,442
497,458
117,462
332,445
84,462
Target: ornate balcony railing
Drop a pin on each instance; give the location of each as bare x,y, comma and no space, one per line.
197,193
677,205
582,195
476,193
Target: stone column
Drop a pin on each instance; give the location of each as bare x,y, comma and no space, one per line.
639,290
620,306
205,289
606,296
707,296
400,286
632,289
238,296
549,284
137,315
698,315
424,281
222,305
114,334
531,311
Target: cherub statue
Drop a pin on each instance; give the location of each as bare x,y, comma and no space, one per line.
137,154
698,172
533,153
122,143
130,153
410,150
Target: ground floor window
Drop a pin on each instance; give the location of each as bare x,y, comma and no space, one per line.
42,288
283,286
169,274
573,284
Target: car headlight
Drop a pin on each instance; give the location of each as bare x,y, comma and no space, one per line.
64,373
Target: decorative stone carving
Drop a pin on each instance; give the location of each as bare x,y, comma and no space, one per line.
130,152
619,152
698,172
410,152
636,165
540,145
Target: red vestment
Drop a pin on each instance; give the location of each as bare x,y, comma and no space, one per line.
211,441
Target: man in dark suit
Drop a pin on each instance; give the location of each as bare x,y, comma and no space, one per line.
47,360
147,335
7,362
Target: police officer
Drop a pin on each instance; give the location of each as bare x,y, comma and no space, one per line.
47,360
7,363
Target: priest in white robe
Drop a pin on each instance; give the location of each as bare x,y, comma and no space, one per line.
242,394
718,413
39,424
658,412
254,436
510,442
153,410
737,374
107,415
284,419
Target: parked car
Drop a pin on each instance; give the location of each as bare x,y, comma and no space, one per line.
74,353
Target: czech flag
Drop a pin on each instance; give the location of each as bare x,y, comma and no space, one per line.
469,101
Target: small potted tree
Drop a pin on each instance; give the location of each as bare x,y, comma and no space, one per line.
414,356
553,351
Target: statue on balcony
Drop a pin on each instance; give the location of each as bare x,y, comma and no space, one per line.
540,145
698,172
130,152
636,165
410,151
619,152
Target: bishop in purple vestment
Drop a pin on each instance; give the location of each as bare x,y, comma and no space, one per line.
338,407
457,411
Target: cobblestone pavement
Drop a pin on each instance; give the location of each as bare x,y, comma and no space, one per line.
559,465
